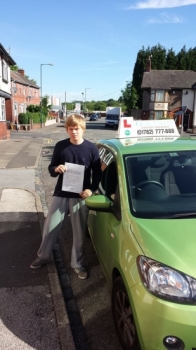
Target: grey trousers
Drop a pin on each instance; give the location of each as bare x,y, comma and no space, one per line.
52,226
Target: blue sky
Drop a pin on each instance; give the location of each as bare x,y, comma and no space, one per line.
92,45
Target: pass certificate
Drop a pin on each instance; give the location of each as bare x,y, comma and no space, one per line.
73,178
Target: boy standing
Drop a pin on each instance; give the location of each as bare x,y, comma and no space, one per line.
75,150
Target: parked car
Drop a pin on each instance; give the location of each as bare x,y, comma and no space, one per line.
142,224
93,117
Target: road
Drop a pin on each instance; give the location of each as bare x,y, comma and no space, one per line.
92,295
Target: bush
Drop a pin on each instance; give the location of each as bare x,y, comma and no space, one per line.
36,117
33,108
23,118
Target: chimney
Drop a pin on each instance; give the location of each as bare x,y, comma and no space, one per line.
148,64
22,72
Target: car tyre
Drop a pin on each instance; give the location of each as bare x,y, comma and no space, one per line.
123,317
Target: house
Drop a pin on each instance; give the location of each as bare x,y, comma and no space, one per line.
167,92
24,92
5,96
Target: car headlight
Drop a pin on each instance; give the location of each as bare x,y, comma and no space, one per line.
165,282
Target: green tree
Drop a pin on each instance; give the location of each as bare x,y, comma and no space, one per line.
158,54
191,59
182,59
171,60
45,106
111,103
33,108
129,98
14,68
99,106
139,68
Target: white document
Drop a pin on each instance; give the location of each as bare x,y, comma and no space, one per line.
73,178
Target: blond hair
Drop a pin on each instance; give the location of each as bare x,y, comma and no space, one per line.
75,120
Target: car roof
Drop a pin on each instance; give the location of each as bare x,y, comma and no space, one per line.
149,144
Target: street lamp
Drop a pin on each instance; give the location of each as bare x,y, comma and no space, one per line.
85,99
82,102
42,64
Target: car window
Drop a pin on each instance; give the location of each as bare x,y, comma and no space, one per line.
109,178
112,116
161,184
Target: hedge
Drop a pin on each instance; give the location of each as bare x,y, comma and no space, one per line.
24,118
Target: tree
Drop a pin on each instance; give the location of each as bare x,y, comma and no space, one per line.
33,108
171,60
129,98
182,59
111,103
44,104
14,68
138,71
158,54
99,106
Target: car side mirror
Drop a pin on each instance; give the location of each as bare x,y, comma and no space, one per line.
98,203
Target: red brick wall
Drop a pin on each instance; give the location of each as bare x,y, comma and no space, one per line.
4,132
9,112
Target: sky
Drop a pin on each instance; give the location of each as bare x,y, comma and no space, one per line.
93,45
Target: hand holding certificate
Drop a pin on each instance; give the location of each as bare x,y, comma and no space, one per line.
73,178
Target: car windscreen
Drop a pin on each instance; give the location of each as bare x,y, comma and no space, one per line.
162,185
112,116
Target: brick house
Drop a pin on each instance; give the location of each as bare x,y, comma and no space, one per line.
165,92
24,92
5,96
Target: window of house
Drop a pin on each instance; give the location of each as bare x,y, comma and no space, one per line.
24,90
152,97
160,96
21,108
158,114
2,109
4,71
15,109
151,114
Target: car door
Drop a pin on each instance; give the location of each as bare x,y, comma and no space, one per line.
105,227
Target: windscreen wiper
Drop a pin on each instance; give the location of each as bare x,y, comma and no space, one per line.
177,216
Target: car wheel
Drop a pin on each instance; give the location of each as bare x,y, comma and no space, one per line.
123,317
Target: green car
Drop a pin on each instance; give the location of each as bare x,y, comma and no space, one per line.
142,222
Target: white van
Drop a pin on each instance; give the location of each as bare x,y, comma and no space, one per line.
112,120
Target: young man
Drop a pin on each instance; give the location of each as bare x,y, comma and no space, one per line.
79,151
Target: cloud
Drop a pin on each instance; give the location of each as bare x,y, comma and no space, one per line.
158,4
164,17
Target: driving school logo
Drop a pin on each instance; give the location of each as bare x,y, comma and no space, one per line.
127,125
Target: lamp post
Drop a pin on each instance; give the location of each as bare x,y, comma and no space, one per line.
42,64
82,102
85,99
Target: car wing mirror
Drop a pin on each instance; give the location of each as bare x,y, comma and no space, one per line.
98,203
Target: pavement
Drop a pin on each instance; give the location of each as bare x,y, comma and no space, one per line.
33,314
